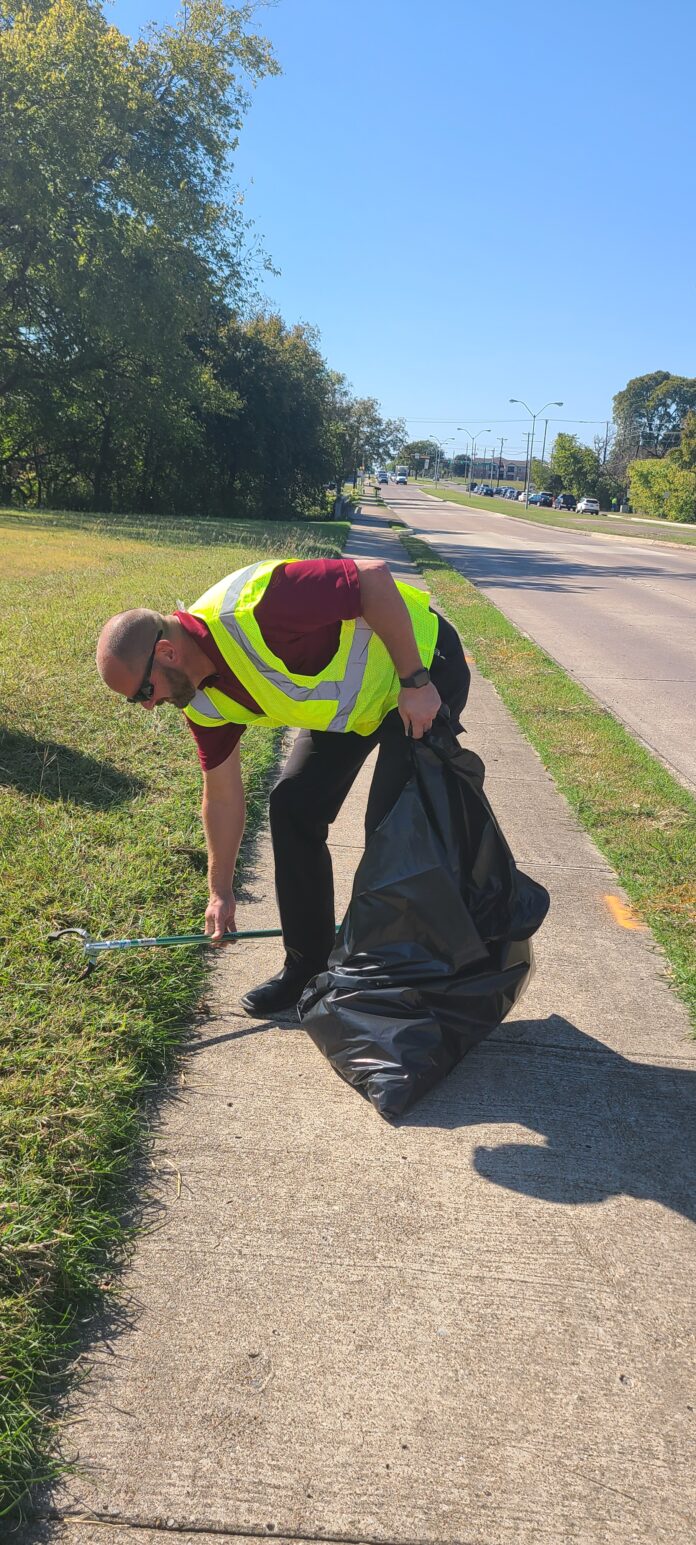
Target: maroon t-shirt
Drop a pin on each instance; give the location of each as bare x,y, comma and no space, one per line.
300,615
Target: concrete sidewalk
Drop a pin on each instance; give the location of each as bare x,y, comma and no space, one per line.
472,1327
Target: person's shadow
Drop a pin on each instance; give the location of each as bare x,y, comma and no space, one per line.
56,771
610,1127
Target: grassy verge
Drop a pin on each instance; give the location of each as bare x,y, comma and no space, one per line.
613,524
99,827
640,817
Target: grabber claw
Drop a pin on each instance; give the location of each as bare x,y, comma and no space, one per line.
87,941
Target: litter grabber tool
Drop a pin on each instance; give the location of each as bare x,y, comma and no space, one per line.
95,947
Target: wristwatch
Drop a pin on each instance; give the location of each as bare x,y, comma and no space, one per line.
419,678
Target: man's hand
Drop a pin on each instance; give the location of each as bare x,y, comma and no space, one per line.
219,916
418,707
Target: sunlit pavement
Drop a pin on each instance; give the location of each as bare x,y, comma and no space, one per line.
619,616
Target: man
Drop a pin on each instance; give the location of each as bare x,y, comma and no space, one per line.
333,647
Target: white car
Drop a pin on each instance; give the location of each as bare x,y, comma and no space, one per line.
588,507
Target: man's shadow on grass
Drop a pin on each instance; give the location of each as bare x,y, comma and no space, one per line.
55,771
610,1126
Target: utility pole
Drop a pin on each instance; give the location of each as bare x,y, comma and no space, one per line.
543,448
527,468
500,455
606,443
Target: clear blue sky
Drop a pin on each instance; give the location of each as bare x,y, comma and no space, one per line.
474,203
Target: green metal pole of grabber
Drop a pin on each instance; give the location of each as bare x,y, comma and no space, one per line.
95,947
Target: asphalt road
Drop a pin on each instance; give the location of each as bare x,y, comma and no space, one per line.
618,615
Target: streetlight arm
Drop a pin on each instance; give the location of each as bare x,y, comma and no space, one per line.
523,404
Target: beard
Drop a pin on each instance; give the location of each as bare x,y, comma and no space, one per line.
181,689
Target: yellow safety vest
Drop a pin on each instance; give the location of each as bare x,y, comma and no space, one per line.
355,690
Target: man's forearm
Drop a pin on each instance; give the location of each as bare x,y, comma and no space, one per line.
223,823
386,613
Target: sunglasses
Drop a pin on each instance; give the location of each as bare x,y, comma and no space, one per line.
146,688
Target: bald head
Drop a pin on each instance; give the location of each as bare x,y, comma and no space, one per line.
124,647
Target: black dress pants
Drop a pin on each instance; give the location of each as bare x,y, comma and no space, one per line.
315,781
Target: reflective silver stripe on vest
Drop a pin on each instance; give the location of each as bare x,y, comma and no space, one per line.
343,693
350,686
203,704
233,591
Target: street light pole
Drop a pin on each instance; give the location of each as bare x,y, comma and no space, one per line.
534,417
438,459
473,438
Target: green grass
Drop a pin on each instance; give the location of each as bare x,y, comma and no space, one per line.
612,524
637,813
99,827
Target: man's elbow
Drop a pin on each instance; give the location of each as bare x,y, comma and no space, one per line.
375,581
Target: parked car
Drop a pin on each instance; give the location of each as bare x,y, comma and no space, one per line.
544,499
588,507
564,502
512,493
486,490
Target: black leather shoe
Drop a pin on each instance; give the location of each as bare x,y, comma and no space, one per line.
280,993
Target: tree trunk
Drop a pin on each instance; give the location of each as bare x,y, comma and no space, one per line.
101,474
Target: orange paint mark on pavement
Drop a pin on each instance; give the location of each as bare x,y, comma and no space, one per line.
622,913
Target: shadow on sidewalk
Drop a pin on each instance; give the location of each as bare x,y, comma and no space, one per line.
611,1127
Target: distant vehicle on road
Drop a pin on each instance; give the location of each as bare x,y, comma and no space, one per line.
544,499
588,507
400,478
564,502
382,476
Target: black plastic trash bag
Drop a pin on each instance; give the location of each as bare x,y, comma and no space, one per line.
434,948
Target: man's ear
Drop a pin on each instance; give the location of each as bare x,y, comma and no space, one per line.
166,652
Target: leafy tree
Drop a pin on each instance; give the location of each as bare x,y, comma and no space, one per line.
362,436
134,373
685,454
576,466
417,452
649,412
544,478
663,488
667,487
120,255
269,435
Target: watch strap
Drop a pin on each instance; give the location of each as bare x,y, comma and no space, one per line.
418,678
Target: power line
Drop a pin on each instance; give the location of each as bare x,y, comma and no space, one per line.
412,419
